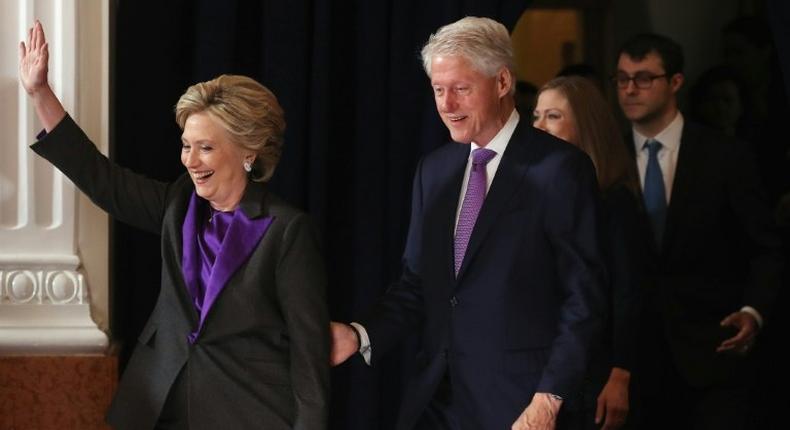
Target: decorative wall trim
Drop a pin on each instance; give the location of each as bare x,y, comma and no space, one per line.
45,309
41,287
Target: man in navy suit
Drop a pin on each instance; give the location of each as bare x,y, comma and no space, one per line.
502,268
714,257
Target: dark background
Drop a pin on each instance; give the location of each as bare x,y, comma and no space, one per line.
359,112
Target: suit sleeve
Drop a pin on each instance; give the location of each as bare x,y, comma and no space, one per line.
749,203
301,289
572,222
125,195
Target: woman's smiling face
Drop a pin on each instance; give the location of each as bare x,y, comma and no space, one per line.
214,162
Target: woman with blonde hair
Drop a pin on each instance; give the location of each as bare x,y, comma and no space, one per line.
239,335
572,108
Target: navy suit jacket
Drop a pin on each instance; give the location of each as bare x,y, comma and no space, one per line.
527,302
720,251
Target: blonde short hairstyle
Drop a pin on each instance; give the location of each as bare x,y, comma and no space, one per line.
247,110
483,41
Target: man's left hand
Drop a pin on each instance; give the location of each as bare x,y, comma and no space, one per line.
541,414
612,406
747,327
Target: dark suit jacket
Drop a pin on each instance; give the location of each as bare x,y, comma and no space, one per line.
625,258
720,252
527,302
261,359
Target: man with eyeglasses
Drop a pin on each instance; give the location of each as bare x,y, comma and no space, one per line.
714,262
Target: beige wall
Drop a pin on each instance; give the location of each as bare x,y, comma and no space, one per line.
538,39
93,112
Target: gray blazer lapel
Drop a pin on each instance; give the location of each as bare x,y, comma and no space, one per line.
173,248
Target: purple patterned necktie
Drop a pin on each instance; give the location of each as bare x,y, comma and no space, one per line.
473,201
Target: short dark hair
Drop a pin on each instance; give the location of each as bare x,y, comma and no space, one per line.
670,52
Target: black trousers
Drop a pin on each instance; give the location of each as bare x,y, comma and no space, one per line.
662,399
439,414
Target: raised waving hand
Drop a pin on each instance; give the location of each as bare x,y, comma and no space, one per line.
33,70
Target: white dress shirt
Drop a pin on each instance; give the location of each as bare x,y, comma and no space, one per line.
669,138
498,144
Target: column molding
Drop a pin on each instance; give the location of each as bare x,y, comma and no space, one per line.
46,302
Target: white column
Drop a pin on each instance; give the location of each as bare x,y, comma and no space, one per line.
45,299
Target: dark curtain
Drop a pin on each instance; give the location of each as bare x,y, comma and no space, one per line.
773,375
359,111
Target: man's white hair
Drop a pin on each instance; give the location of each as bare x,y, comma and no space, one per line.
482,41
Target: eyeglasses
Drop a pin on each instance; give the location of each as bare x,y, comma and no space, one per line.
642,80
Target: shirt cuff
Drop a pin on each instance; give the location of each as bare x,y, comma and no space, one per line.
364,342
753,312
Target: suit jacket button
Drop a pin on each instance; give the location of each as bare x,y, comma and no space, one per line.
453,301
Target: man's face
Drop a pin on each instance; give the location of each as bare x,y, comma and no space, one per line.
642,105
468,101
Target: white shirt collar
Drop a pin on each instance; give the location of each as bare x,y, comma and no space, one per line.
499,143
669,136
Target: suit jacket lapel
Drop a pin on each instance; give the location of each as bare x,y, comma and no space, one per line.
175,222
240,241
507,180
690,158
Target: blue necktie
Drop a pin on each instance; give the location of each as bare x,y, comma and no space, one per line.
654,194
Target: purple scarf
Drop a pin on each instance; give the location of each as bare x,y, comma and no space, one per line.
214,250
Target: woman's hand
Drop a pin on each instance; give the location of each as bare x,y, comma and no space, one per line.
33,70
33,60
344,342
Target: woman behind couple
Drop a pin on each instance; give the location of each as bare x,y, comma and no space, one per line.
239,336
573,108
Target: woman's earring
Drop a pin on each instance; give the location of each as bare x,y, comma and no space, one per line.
247,166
